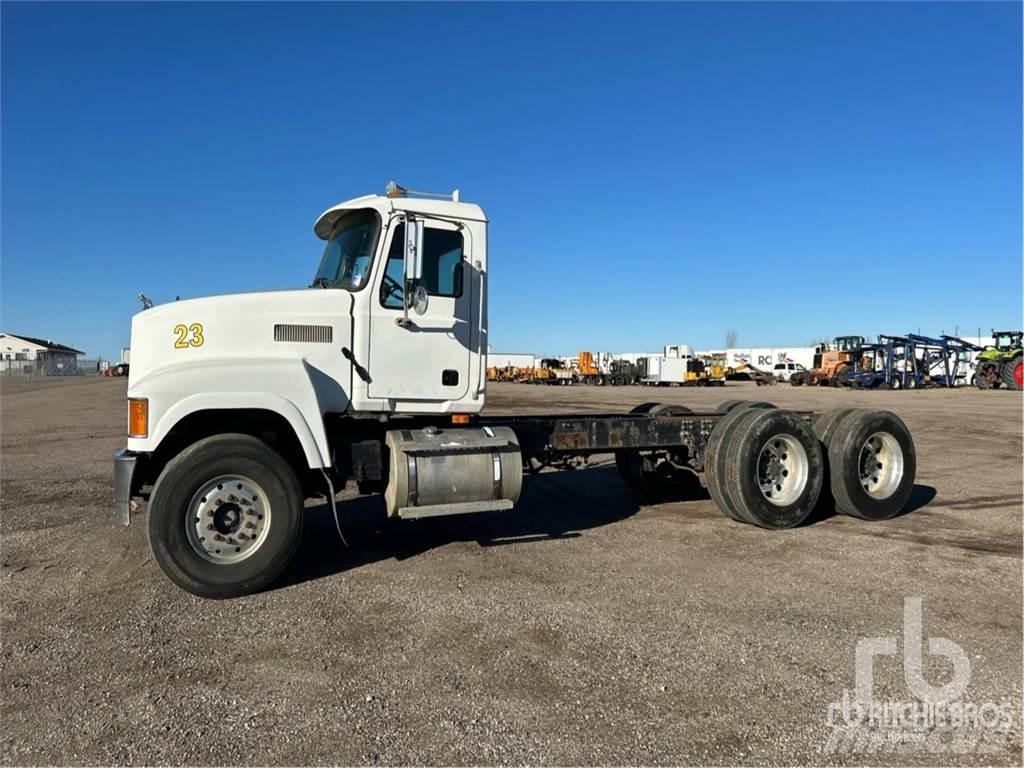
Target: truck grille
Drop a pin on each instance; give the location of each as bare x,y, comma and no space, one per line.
316,334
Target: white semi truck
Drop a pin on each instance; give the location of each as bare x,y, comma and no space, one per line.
242,406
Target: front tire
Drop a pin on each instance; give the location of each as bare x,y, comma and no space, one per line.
225,516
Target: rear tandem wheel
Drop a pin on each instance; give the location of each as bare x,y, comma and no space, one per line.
768,468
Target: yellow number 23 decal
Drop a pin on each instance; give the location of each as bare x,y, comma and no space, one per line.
188,336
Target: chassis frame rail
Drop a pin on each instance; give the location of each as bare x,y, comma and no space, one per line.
581,434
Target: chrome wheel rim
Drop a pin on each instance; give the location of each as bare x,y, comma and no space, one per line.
782,470
228,519
881,465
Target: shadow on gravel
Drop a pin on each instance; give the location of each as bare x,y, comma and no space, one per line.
920,496
553,505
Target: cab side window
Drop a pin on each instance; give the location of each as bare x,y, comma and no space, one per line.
442,265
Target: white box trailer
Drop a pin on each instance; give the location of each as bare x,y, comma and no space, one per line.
666,371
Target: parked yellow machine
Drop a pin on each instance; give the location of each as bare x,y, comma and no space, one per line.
715,369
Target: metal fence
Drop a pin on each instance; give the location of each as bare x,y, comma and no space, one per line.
39,369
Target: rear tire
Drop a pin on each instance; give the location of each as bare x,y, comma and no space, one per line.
824,423
1013,373
774,469
873,464
714,454
176,514
727,406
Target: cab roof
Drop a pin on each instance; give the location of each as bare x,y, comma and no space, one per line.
385,205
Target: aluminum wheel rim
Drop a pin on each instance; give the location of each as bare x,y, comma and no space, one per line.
782,470
881,465
228,519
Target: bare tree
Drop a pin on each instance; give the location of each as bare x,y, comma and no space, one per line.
730,338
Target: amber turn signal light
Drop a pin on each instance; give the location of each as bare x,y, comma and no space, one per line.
460,418
138,417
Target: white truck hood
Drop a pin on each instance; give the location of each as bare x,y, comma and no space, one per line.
310,323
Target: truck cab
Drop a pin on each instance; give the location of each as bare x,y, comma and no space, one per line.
364,338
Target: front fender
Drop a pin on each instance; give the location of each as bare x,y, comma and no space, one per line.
285,387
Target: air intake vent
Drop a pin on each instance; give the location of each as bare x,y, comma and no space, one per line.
317,334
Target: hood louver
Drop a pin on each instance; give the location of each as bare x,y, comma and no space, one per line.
312,334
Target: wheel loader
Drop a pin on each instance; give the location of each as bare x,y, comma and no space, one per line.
832,361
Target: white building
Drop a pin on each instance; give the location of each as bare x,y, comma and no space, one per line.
28,354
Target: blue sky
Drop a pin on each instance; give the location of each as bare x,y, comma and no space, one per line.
653,173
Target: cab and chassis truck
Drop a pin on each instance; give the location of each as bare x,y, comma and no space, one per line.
242,406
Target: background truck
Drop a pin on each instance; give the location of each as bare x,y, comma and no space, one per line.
625,372
783,372
242,406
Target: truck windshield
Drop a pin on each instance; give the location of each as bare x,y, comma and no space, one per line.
349,252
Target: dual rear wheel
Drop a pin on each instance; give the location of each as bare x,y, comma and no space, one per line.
771,468
763,466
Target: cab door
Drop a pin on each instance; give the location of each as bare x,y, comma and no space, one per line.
428,358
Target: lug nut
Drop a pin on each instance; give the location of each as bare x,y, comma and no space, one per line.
209,527
218,537
250,524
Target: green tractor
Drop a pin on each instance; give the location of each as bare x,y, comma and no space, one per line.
1002,363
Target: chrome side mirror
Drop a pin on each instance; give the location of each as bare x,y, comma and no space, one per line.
413,249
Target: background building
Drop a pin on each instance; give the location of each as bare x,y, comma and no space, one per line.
31,355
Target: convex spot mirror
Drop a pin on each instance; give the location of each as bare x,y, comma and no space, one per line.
418,300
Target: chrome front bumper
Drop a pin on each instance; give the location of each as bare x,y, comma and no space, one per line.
124,469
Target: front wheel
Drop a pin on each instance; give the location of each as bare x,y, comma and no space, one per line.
225,516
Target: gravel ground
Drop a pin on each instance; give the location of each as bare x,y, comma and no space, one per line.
581,628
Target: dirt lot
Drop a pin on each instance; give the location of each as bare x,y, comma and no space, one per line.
581,628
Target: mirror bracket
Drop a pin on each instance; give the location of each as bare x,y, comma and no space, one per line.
412,264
